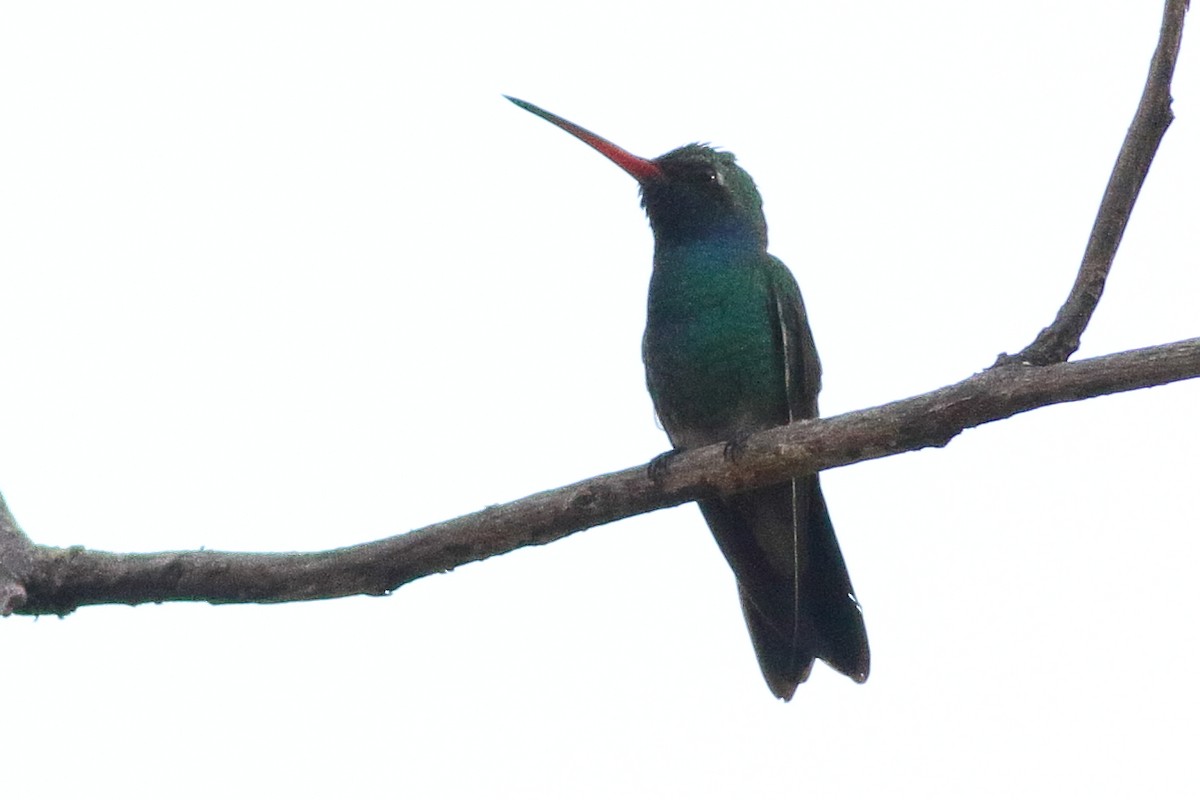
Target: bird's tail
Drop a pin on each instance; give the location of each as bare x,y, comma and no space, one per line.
796,594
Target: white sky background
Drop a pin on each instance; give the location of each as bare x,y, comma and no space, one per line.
281,276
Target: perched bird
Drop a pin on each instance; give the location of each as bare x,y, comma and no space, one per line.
728,351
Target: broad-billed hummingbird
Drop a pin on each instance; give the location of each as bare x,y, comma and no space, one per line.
728,351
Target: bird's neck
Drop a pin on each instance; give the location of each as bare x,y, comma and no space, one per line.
714,249
718,231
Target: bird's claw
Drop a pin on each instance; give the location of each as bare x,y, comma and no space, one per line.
736,447
656,470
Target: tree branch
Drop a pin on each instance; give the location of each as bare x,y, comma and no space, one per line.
1058,341
60,580
37,580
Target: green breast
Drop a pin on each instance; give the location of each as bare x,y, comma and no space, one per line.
713,354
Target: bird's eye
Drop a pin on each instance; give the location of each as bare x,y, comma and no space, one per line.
711,176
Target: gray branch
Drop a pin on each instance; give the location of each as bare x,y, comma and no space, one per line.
60,580
1058,341
39,580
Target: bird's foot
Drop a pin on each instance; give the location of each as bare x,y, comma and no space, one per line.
736,447
656,470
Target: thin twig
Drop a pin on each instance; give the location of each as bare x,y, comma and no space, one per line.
61,580
1058,341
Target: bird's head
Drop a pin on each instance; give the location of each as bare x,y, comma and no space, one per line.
692,193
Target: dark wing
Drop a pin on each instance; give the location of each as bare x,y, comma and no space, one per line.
826,619
802,366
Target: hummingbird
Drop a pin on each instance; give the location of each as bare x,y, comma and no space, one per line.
728,351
